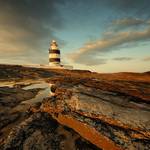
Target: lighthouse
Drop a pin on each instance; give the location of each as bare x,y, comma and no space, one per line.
54,55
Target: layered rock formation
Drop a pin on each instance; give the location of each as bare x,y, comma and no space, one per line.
87,111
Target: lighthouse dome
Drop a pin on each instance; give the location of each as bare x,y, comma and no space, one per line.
53,41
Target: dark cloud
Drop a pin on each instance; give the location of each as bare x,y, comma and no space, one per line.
123,58
127,6
134,7
28,13
28,25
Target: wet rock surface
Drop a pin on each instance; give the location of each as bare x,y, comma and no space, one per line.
41,131
11,110
86,111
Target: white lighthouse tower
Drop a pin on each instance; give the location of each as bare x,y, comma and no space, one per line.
54,55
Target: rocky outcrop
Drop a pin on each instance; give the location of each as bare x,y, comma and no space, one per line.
40,131
110,115
86,111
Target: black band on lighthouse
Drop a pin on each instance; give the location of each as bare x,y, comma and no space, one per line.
54,51
54,59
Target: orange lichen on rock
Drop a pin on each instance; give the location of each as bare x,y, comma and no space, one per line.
138,136
88,132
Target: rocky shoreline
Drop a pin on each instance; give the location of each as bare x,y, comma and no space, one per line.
88,110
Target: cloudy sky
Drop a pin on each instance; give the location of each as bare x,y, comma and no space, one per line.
99,35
